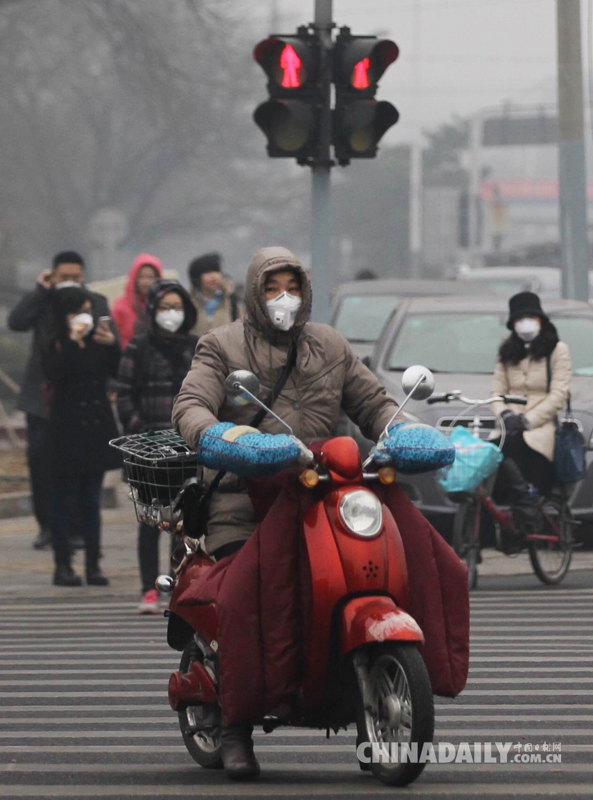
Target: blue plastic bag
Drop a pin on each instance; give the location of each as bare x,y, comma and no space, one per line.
474,461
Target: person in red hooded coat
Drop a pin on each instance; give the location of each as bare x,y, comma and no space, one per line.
129,311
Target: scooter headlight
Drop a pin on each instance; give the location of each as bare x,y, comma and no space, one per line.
361,513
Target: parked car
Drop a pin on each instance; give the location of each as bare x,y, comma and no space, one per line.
506,281
458,339
361,308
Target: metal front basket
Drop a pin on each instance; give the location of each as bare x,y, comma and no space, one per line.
156,464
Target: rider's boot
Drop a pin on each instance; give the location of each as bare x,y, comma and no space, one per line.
237,753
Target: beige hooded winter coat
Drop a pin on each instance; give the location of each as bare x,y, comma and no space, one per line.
327,376
530,379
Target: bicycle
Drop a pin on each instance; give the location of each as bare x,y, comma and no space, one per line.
550,550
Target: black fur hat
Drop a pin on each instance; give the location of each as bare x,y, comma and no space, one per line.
211,262
524,304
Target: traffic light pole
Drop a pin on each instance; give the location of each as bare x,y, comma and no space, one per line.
321,264
571,154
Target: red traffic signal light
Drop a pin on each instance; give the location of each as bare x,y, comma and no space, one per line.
359,121
360,61
290,62
289,118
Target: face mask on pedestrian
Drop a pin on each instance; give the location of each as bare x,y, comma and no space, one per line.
528,328
67,285
170,320
81,320
283,310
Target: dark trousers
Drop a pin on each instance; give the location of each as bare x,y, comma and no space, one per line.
148,555
76,499
532,466
39,468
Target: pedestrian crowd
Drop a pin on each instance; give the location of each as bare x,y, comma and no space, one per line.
94,372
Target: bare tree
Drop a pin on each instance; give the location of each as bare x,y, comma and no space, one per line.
135,104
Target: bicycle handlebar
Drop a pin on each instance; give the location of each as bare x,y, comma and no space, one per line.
447,397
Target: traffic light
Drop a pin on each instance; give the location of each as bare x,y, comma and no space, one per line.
359,121
290,117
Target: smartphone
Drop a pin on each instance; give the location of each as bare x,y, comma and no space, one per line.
105,320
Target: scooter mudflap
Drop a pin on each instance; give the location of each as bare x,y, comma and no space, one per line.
191,688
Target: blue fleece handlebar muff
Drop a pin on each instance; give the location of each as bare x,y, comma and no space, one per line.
253,455
413,447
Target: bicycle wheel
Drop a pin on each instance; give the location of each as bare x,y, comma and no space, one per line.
466,537
551,560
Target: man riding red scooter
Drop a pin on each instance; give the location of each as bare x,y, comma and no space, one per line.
270,589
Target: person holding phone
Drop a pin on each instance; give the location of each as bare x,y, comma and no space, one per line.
79,355
33,313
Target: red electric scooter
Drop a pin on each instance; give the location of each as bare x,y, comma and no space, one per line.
358,571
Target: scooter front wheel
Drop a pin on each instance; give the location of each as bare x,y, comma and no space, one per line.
400,712
202,743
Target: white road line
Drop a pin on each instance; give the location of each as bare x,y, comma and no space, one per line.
61,734
178,748
171,719
156,681
335,789
570,681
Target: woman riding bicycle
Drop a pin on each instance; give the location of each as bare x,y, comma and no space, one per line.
532,362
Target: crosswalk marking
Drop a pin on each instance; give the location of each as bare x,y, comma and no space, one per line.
83,692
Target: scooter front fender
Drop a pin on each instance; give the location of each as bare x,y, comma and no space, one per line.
376,619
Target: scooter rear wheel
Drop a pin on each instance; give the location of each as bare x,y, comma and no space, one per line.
202,745
402,708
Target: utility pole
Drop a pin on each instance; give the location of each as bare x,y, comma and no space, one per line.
321,266
571,153
274,16
416,192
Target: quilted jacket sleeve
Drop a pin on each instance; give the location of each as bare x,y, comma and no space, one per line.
365,399
500,385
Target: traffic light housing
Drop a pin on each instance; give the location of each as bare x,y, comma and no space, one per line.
290,117
359,121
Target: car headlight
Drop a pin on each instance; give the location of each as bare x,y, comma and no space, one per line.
361,513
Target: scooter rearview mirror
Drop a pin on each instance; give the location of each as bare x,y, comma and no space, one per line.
418,382
241,387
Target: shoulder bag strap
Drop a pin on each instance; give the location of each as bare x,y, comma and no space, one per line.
257,420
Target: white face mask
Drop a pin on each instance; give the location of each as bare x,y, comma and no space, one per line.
67,285
528,328
170,320
283,310
83,319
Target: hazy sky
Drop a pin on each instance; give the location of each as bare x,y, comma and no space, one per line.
456,56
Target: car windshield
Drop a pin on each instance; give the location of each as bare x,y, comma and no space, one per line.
361,318
469,342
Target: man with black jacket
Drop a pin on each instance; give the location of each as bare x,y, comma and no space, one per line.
32,314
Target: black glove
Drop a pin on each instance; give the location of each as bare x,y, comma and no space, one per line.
514,423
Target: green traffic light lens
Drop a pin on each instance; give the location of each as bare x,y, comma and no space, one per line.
286,132
362,139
